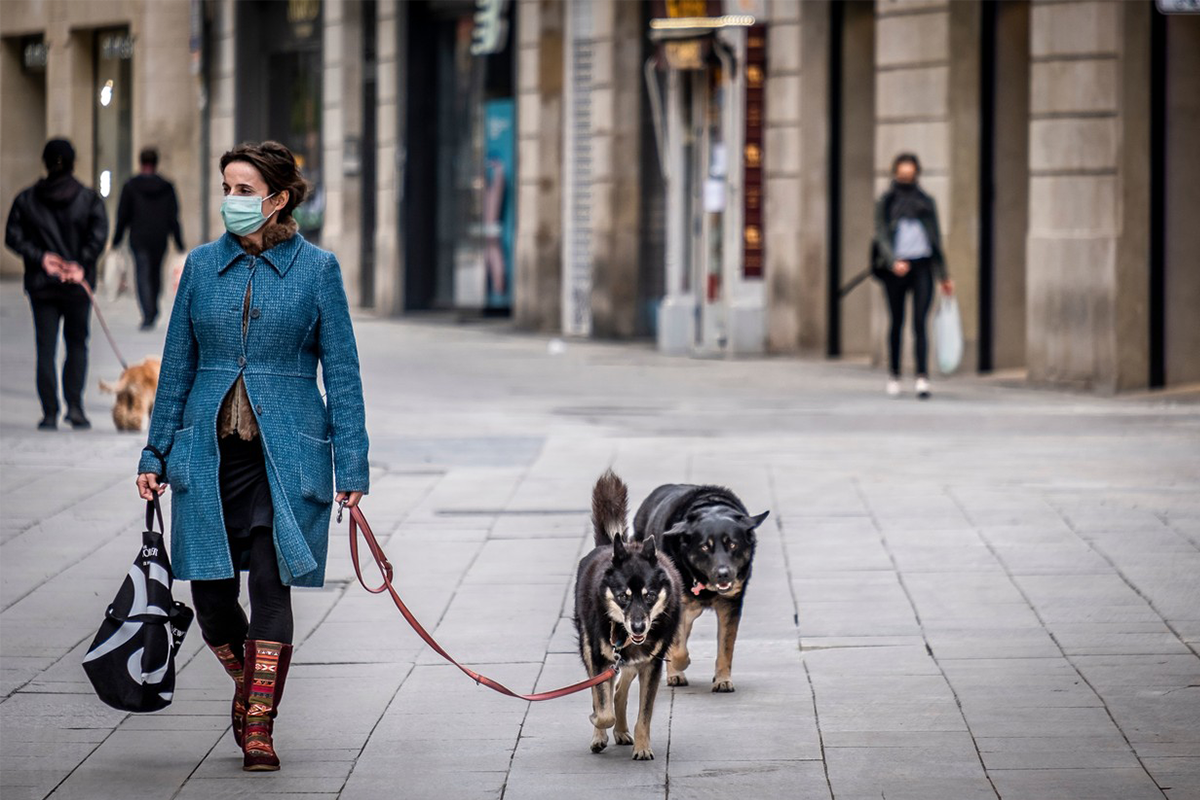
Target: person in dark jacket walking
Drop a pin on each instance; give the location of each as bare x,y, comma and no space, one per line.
149,210
909,255
58,226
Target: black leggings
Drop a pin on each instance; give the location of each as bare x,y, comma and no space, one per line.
919,279
218,612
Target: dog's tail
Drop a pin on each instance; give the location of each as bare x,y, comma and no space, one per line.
610,507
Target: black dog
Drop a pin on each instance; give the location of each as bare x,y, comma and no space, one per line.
709,537
626,613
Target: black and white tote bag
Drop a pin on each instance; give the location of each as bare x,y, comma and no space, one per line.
131,662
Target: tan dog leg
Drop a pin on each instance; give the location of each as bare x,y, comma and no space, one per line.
678,658
728,619
648,678
602,714
621,733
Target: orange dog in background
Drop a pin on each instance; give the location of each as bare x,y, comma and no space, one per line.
135,394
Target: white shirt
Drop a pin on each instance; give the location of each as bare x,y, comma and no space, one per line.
911,240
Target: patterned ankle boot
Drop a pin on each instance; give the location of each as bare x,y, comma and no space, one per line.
232,662
266,670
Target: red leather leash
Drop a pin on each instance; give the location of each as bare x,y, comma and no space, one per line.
359,522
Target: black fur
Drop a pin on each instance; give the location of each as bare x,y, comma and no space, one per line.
709,537
645,589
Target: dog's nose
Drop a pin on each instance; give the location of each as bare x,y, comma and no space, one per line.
723,573
637,626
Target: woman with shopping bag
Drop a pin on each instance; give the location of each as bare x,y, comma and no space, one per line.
242,435
909,256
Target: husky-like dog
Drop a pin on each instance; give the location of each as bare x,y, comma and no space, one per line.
709,537
135,393
626,613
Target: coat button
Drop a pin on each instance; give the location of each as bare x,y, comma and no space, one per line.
241,361
258,409
254,313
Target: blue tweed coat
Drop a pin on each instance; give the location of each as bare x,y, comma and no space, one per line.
299,316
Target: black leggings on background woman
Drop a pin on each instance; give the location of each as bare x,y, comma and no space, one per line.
919,281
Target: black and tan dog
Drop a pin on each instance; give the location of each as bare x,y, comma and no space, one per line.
627,612
709,537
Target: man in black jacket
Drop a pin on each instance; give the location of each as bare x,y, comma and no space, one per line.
149,209
58,226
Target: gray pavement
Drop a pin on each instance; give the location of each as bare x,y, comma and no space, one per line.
993,594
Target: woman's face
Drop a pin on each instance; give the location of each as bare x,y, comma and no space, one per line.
243,179
906,172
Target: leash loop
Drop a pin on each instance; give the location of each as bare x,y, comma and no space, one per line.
359,524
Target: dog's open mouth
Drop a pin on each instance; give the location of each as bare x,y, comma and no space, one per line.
724,587
636,639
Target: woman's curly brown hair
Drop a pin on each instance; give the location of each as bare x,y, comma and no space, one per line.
278,168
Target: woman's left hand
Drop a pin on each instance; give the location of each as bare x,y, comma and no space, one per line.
947,286
349,498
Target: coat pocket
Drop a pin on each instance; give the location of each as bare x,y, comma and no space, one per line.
316,469
179,460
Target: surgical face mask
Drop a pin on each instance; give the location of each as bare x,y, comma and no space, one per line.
243,215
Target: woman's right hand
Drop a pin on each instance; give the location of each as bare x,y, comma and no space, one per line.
149,487
900,268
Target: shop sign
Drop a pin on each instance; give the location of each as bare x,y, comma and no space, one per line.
752,161
116,47
34,54
302,16
491,27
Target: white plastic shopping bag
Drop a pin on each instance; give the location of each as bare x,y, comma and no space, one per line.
949,336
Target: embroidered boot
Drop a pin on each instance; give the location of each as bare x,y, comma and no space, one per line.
266,670
234,668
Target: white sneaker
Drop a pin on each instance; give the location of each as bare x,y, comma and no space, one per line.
893,387
923,389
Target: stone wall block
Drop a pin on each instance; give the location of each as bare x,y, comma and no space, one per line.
1075,28
1066,144
905,93
911,39
1086,86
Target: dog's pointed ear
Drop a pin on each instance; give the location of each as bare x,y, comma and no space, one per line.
650,550
758,519
620,552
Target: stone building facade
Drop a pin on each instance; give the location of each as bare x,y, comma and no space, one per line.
629,169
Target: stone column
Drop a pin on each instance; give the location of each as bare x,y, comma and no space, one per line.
785,285
537,301
1087,265
166,108
222,107
389,256
616,144
341,118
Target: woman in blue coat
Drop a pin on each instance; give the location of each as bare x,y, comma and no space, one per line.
241,434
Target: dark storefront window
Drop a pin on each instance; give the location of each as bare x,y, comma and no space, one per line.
460,191
279,73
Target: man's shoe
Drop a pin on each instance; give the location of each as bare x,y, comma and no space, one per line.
923,389
893,387
77,419
147,325
48,423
